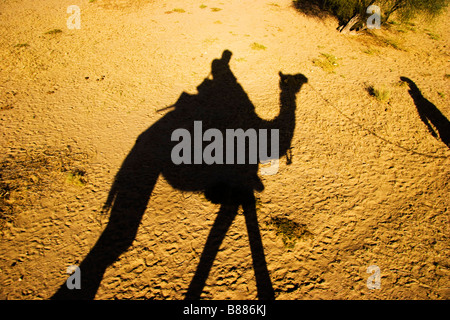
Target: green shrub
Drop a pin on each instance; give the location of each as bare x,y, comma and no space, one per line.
380,93
54,31
257,46
345,10
327,62
290,231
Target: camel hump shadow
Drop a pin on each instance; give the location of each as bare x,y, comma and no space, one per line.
220,104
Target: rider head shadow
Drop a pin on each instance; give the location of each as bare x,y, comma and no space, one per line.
437,124
175,148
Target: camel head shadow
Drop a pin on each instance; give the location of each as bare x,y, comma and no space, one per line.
437,124
190,147
292,83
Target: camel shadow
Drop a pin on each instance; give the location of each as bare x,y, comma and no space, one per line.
165,148
430,115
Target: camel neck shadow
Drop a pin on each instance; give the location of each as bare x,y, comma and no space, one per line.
437,124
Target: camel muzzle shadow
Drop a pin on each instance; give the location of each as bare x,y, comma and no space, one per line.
221,104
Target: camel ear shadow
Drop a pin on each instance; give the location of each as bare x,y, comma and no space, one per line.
405,79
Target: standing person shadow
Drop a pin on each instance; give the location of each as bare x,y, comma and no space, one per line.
429,114
220,105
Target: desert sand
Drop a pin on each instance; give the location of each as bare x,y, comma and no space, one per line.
366,183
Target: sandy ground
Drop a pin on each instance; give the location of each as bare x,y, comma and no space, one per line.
368,183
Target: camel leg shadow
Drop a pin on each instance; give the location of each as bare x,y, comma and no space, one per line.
128,201
224,219
117,237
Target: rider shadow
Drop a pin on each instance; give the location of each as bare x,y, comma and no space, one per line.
221,104
430,115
